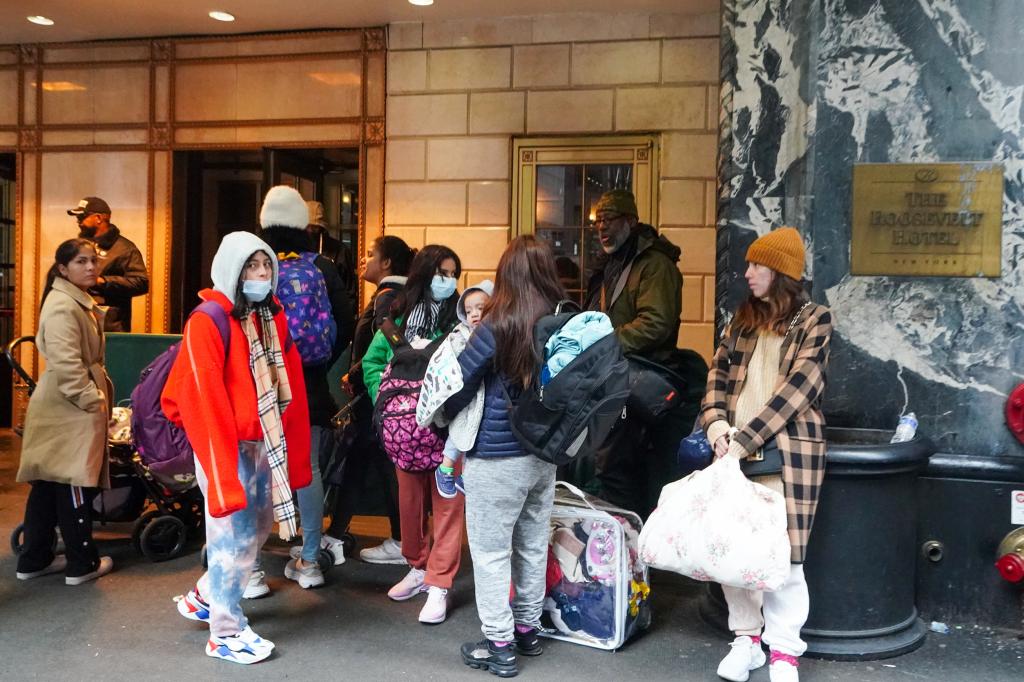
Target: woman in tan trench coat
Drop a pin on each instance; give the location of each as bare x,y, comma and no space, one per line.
64,450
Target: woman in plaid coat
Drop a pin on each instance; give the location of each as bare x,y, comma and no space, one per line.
762,406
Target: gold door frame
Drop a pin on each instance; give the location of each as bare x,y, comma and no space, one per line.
639,150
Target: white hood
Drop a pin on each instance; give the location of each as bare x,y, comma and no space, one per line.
486,286
234,250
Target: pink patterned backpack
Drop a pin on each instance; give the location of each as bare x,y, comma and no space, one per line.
410,446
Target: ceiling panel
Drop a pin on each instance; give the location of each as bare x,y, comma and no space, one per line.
101,19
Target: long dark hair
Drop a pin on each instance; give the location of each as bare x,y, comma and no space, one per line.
243,306
526,287
398,252
66,252
784,298
417,289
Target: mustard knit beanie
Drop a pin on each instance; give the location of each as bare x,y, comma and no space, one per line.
782,250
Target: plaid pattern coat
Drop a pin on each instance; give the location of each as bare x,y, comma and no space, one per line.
792,416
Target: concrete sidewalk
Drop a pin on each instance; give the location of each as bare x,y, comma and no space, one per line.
125,626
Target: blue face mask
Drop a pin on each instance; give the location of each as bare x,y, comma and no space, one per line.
441,287
256,290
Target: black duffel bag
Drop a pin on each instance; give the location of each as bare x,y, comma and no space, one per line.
654,389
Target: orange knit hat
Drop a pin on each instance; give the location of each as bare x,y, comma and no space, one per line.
782,250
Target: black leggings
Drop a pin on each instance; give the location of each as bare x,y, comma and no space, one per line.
70,507
365,454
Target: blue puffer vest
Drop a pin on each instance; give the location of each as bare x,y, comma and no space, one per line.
495,438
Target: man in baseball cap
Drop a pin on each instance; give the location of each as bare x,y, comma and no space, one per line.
123,273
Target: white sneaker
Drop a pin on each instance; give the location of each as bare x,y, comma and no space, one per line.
409,586
106,566
257,586
333,545
308,576
387,552
239,648
436,608
783,671
59,563
744,656
252,639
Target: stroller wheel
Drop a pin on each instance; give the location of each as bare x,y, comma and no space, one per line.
163,538
139,525
18,540
325,560
348,541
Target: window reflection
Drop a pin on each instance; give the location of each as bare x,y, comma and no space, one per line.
566,195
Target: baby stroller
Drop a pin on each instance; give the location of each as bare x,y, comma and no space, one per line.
163,510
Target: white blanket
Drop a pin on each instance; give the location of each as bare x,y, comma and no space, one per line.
443,380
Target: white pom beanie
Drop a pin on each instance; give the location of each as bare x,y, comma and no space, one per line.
284,207
234,250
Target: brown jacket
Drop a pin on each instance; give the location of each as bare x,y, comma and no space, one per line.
66,424
792,416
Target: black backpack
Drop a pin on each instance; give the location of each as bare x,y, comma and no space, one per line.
571,415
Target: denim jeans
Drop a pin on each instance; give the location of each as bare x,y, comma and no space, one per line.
311,498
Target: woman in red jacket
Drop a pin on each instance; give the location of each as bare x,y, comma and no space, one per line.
244,410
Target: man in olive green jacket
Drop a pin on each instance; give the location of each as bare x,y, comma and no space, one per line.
639,286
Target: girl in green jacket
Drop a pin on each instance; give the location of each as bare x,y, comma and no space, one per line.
424,311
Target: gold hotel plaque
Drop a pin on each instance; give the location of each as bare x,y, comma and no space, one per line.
927,219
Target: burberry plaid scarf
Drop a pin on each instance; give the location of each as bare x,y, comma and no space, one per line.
273,393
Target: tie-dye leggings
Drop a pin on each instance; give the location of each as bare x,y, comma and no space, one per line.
234,541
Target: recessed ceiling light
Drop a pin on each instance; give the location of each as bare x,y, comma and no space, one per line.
41,20
421,3
222,16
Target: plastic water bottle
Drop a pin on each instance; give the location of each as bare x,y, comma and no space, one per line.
906,429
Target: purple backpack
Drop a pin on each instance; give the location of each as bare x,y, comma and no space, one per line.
162,446
302,290
410,446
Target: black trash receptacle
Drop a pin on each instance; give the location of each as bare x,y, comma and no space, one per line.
861,556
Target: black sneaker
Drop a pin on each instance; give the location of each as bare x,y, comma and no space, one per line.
528,643
484,655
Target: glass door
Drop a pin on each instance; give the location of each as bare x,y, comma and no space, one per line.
557,183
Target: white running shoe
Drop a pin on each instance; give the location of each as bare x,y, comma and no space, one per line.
238,649
106,566
744,656
333,545
257,586
255,640
308,576
387,552
436,608
59,563
409,586
191,605
783,671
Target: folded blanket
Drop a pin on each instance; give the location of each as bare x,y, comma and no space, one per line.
575,336
442,380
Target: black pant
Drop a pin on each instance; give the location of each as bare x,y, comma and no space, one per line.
70,507
365,456
639,458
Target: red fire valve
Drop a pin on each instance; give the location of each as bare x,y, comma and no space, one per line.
1011,556
1015,412
1011,567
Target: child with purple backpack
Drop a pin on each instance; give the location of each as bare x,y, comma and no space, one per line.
424,311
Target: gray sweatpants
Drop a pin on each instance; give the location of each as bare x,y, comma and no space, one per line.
508,520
